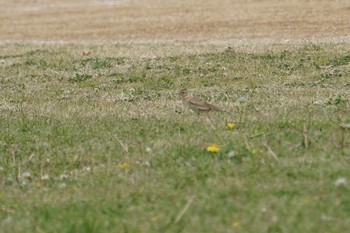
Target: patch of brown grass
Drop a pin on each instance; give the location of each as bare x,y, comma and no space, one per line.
153,20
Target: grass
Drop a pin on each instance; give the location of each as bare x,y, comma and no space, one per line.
102,143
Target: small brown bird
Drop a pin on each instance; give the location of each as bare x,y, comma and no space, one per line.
197,105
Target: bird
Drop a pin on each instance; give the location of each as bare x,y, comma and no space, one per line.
196,104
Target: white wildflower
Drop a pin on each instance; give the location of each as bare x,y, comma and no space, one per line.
63,176
231,154
26,177
45,177
63,185
341,181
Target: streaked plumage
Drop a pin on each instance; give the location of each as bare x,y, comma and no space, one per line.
196,104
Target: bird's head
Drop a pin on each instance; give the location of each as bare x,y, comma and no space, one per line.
183,92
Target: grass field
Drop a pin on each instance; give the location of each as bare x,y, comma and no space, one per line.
103,143
95,138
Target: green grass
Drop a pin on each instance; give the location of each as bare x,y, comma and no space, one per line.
110,147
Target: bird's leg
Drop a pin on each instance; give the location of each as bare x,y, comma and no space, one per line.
197,112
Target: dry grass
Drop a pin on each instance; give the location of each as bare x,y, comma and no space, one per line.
152,20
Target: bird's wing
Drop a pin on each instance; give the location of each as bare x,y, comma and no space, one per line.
195,100
201,104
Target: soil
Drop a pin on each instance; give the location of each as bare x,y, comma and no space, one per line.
174,20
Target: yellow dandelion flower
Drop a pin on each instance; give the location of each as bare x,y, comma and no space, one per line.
307,200
213,148
253,151
231,125
156,218
124,166
236,223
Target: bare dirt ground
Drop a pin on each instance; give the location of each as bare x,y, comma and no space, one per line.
174,20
